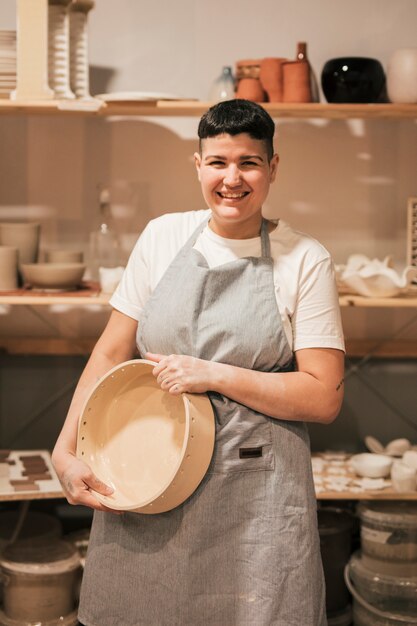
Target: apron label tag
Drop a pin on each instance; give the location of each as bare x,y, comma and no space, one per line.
250,453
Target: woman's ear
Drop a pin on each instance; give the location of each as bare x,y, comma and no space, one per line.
273,168
197,162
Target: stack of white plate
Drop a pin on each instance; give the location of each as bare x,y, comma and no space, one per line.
7,62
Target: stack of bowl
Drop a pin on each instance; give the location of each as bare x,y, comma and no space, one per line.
382,577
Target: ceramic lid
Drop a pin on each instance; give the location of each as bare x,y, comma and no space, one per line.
53,557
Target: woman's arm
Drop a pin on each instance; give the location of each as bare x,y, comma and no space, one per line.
116,344
313,393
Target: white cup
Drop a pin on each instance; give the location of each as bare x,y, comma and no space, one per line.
8,268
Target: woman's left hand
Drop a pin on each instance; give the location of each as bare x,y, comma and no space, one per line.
180,373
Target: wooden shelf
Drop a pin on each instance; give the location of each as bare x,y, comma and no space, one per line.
333,470
192,108
345,300
32,299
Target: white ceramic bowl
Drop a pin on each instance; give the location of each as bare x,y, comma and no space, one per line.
53,275
371,465
151,446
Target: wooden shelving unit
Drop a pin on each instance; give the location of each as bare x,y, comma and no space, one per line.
193,108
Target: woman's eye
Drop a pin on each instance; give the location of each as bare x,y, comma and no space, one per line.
249,163
217,163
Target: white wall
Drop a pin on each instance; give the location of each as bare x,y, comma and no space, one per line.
345,182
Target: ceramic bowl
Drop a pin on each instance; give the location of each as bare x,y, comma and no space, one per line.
53,275
60,255
353,79
371,465
375,278
151,446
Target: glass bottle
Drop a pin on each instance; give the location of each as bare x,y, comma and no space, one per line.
104,242
223,88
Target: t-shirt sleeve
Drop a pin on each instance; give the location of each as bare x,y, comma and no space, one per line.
134,288
316,322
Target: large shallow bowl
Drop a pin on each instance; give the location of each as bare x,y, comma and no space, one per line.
152,447
53,275
371,465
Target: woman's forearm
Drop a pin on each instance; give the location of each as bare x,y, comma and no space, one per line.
295,396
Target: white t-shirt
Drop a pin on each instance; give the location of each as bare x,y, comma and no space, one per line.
305,286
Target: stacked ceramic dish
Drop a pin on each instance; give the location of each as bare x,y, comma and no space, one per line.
7,62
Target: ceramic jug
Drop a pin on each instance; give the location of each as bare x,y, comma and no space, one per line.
296,80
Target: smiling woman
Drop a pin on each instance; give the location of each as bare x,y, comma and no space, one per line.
230,304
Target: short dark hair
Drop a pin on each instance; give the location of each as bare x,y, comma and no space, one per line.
233,117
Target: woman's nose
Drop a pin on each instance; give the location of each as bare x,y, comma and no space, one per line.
232,176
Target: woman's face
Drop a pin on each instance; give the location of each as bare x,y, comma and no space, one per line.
235,176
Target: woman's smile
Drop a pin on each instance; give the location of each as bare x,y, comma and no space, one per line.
235,175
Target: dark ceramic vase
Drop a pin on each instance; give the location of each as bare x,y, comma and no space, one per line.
353,80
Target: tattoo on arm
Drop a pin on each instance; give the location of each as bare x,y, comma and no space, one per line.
340,384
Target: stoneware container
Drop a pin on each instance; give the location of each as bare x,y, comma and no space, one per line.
296,80
353,79
40,580
371,465
8,268
24,236
152,447
403,477
402,76
271,77
53,275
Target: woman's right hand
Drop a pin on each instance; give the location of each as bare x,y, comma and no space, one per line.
77,481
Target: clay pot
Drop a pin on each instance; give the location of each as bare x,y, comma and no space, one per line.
59,255
402,76
8,268
250,89
248,68
271,77
296,80
24,236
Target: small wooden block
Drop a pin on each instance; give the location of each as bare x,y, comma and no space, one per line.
26,487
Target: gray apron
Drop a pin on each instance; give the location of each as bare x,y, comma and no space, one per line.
244,548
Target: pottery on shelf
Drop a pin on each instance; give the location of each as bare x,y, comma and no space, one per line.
370,465
250,89
8,268
58,48
271,77
78,43
24,236
353,80
53,275
375,278
402,76
403,477
296,81
223,88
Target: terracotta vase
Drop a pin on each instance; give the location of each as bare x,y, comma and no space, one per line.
250,89
271,77
8,268
296,80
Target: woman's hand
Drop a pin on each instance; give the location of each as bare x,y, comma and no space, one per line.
77,479
179,373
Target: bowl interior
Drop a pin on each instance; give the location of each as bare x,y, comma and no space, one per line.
133,435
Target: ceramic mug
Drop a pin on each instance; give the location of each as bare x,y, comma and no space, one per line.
24,236
8,268
296,79
63,256
271,77
402,76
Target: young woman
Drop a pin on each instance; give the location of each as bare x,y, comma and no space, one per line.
245,309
